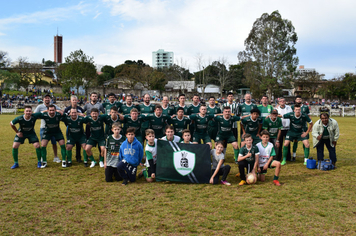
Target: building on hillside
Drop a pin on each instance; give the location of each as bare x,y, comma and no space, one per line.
162,59
307,82
209,89
58,48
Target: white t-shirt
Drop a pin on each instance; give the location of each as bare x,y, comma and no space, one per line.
153,150
283,111
265,153
216,158
176,138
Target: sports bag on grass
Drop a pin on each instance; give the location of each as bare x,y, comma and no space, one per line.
326,165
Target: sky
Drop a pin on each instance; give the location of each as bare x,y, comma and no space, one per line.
113,31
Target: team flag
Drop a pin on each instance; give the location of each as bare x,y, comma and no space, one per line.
180,162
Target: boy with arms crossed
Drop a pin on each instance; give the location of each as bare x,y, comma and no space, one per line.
219,168
248,158
25,131
131,154
111,153
266,154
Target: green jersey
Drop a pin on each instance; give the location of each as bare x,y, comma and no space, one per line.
297,124
96,126
185,109
75,127
243,109
125,109
169,110
145,110
108,124
52,123
213,111
253,150
107,106
272,126
252,126
192,109
157,123
201,123
265,110
26,126
304,109
225,125
129,122
179,124
113,149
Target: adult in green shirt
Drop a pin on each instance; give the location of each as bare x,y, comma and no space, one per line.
128,106
273,125
157,121
146,108
213,109
252,125
166,108
112,102
179,122
265,108
298,121
52,128
111,119
26,131
133,121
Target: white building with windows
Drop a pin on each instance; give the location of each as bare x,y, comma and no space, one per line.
161,59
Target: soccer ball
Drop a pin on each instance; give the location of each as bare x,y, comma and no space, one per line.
251,178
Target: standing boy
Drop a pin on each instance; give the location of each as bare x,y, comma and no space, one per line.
111,153
131,154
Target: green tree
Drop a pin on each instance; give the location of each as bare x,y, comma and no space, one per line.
309,81
349,82
78,70
109,70
10,79
269,55
236,77
4,60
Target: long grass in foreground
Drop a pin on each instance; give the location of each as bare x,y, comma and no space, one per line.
77,200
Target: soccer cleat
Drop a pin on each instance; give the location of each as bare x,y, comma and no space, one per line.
64,164
283,163
44,165
101,164
57,160
237,175
305,161
86,164
39,164
236,162
242,182
69,164
92,164
16,165
224,182
125,182
276,182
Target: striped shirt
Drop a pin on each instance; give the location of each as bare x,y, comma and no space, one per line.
233,106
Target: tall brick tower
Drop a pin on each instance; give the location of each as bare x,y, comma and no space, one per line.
58,46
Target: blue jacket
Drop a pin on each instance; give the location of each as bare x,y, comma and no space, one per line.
131,152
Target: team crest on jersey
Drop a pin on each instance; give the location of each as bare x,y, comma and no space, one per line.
184,162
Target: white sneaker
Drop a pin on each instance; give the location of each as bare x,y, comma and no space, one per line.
92,164
56,159
44,165
64,164
101,164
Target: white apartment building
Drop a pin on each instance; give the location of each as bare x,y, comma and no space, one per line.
161,59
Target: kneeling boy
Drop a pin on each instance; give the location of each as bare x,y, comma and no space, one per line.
248,158
111,153
266,155
131,154
151,156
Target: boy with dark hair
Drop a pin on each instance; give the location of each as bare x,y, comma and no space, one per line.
111,153
157,121
252,125
26,131
170,135
151,156
186,136
266,155
112,102
212,109
111,119
273,125
181,100
131,154
248,158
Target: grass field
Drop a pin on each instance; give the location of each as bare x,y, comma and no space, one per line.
78,201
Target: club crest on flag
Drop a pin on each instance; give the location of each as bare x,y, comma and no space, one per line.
184,162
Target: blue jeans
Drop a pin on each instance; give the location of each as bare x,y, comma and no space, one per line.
53,139
127,171
320,150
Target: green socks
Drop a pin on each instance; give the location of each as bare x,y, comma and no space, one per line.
63,152
306,152
44,154
275,177
15,155
285,152
91,158
69,155
38,153
101,158
85,156
295,147
236,154
145,173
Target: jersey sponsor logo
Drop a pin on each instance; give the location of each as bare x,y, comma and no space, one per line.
184,162
95,128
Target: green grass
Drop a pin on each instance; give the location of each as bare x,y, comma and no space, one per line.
78,201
